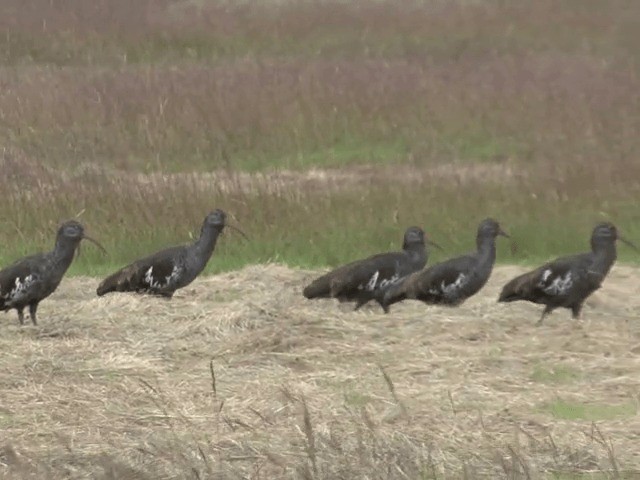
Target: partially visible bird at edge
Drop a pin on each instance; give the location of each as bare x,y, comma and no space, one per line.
32,279
166,271
367,279
453,281
567,282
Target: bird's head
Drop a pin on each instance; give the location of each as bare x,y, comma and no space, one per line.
606,233
72,232
491,228
217,219
416,236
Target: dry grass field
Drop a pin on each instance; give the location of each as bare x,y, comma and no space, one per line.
240,377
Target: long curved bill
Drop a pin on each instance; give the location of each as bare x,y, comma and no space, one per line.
237,230
628,243
434,244
94,241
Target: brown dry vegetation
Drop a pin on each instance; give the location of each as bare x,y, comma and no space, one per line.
121,386
546,92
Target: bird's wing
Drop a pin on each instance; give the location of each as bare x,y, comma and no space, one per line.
17,280
357,275
555,278
368,275
441,283
152,273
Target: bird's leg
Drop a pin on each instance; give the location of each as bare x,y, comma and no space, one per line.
547,310
360,302
576,312
385,308
32,313
20,316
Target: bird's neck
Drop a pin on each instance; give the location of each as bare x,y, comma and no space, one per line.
415,252
604,257
63,253
205,245
486,249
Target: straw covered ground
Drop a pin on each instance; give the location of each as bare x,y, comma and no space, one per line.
240,377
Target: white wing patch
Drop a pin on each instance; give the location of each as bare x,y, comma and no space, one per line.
19,290
452,289
148,278
387,282
372,284
559,286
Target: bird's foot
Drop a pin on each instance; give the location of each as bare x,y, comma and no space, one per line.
539,322
576,312
579,322
545,312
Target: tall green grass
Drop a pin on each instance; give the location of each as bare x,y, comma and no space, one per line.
302,226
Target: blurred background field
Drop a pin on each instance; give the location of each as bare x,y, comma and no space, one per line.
324,127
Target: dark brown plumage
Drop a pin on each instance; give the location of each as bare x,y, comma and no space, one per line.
567,282
32,279
368,279
164,272
452,281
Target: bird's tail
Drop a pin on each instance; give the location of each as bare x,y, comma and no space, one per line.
394,294
108,285
117,282
319,288
517,288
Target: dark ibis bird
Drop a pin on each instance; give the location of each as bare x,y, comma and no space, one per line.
566,282
164,272
368,279
453,281
32,279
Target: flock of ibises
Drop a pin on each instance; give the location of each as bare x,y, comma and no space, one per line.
386,278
